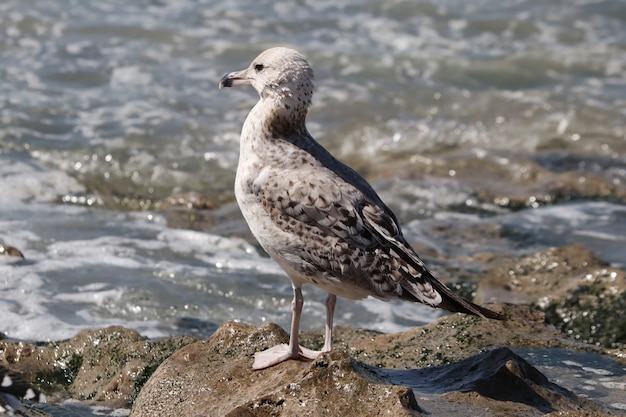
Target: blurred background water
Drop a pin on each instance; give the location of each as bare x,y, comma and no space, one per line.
118,152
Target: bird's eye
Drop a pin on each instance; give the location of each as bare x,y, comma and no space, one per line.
259,67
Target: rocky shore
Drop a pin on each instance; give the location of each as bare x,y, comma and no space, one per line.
459,365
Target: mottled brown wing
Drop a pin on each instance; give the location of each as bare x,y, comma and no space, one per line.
355,238
419,283
363,241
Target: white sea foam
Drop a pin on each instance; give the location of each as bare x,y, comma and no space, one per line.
67,285
32,181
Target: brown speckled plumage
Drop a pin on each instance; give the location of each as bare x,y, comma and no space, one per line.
318,218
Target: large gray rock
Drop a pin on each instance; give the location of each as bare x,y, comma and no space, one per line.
214,377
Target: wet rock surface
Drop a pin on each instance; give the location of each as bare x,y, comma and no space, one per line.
108,365
456,366
581,295
509,181
214,377
498,374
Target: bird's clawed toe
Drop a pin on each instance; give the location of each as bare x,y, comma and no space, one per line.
281,353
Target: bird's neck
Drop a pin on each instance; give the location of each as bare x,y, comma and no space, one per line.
280,117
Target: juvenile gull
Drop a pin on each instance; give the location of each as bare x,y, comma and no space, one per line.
13,387
318,218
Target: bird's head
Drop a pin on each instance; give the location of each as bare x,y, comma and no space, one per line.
277,73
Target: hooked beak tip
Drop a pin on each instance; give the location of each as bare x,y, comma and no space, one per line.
226,81
234,79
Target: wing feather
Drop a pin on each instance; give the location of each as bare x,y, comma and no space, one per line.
349,236
363,240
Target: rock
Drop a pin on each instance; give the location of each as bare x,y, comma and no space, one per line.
406,373
457,336
190,200
108,365
499,375
513,182
443,367
214,377
578,292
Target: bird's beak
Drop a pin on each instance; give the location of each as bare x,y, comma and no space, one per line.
234,79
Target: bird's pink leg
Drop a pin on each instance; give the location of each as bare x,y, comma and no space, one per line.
296,306
281,353
331,300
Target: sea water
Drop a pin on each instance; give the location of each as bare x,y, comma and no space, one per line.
108,108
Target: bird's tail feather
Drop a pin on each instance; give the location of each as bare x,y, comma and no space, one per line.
451,301
455,303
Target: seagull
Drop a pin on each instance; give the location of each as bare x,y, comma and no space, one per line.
12,387
320,220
